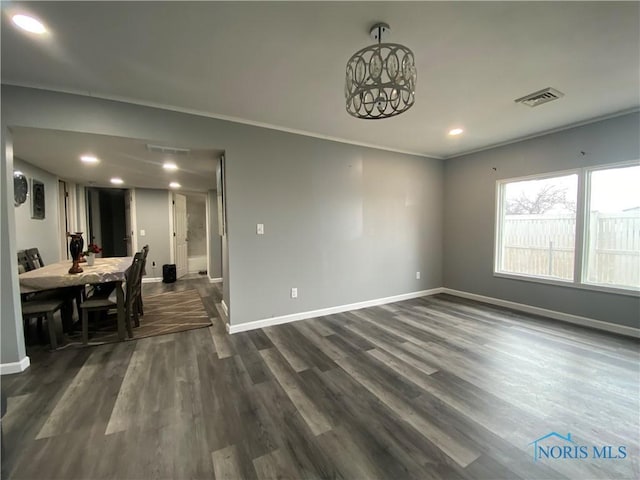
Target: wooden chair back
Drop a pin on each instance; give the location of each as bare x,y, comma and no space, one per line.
133,290
24,263
143,255
133,276
34,257
145,252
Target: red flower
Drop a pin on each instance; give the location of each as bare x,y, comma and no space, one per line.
92,248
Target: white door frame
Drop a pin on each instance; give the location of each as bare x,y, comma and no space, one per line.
76,212
63,218
172,244
172,234
172,240
180,237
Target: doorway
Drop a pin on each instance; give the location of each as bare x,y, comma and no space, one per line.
197,233
180,238
107,219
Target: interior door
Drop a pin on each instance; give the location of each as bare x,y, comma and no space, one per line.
180,233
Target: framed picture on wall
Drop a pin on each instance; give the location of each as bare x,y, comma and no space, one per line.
37,199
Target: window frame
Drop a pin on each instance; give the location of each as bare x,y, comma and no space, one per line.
585,231
581,235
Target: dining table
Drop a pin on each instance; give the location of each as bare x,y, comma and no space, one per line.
103,270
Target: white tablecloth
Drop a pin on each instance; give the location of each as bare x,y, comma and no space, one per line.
57,274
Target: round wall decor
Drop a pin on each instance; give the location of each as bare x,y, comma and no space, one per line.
20,188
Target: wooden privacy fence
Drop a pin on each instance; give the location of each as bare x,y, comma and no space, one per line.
615,259
544,245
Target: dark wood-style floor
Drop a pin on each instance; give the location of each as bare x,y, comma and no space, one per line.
432,388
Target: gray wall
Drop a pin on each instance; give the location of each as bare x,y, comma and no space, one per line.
43,234
226,273
215,241
470,199
343,223
152,216
12,347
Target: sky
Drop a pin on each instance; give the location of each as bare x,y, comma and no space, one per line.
612,190
615,190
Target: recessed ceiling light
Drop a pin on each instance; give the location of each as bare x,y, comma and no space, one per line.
117,181
89,159
175,185
29,24
170,166
455,131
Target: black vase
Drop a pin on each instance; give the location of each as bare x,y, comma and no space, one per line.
75,249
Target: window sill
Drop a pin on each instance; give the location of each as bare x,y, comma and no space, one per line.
568,284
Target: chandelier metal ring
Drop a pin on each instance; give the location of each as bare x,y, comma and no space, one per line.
380,79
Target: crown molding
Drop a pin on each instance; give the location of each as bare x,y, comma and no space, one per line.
582,123
202,113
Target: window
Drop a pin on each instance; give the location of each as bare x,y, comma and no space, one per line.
538,226
612,252
547,233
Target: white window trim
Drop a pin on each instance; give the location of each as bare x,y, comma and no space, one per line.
581,237
568,284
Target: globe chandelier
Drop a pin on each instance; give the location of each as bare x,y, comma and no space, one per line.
381,78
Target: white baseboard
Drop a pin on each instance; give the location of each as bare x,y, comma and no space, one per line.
225,308
151,279
14,367
267,322
215,280
565,317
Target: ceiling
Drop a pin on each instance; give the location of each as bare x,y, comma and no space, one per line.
59,152
282,64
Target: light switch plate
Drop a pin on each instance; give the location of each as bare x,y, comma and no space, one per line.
142,233
417,275
294,292
260,228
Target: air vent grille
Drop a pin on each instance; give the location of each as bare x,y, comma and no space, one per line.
168,150
545,95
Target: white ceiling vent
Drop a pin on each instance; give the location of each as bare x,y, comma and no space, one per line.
541,96
167,150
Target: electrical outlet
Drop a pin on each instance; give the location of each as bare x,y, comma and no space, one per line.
294,292
417,275
142,233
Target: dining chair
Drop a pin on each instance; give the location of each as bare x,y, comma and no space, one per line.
47,308
139,304
68,294
24,264
28,260
34,257
98,302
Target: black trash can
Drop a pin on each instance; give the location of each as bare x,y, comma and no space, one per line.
169,273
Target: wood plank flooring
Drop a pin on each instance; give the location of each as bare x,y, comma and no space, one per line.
432,388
